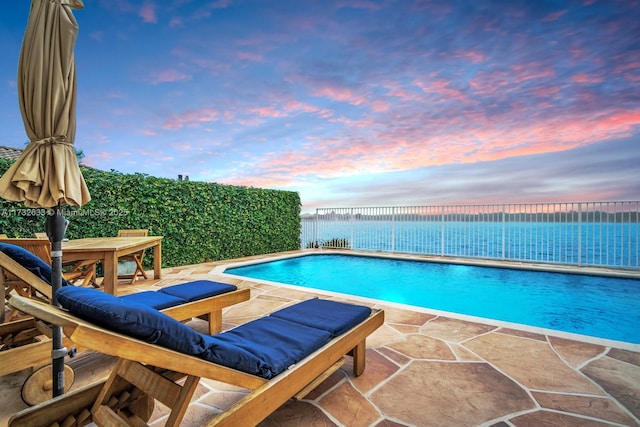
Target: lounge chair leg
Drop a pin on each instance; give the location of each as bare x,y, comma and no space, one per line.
215,322
359,358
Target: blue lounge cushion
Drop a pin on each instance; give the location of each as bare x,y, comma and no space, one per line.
130,318
264,347
28,260
333,316
157,300
198,289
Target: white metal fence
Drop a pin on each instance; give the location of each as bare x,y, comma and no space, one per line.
602,234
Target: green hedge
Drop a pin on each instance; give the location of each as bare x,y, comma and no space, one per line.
200,221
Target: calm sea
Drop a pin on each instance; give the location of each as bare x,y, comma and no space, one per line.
595,244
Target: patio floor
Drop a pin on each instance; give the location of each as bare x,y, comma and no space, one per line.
423,369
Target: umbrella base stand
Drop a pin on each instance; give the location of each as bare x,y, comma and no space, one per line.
37,387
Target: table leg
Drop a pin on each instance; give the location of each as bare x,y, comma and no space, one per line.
157,261
110,280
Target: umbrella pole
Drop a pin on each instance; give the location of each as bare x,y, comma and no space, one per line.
56,226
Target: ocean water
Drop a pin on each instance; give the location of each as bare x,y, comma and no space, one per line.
601,307
599,244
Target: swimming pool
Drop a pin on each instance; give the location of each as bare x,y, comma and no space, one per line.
602,307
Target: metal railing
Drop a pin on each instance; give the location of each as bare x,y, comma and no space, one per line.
601,234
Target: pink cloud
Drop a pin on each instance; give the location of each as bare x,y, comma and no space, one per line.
269,111
339,94
586,78
168,76
191,118
546,92
182,146
255,57
554,16
148,13
415,148
441,87
485,83
524,72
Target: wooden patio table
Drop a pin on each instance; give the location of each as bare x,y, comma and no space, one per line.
107,250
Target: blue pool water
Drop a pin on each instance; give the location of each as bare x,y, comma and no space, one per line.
602,307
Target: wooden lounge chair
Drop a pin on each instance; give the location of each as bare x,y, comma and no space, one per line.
155,370
34,353
136,257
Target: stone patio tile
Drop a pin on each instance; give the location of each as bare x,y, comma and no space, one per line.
389,423
298,414
405,329
625,356
536,367
406,317
219,400
349,407
546,418
326,385
620,379
450,394
251,309
196,416
454,329
378,369
523,334
422,347
384,335
576,353
463,354
595,407
294,294
393,355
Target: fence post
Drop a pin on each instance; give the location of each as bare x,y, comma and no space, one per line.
503,232
579,234
442,234
393,229
316,225
351,245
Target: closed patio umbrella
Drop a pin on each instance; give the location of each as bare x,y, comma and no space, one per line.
47,174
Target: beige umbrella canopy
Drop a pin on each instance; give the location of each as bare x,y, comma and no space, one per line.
47,172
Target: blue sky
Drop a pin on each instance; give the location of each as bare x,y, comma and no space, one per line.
358,102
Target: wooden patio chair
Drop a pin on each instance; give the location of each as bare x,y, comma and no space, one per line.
172,376
41,236
136,257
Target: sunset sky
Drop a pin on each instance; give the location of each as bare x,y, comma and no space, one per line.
357,102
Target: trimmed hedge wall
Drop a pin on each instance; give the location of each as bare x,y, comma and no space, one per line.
200,221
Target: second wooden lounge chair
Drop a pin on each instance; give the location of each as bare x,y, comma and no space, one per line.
277,357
